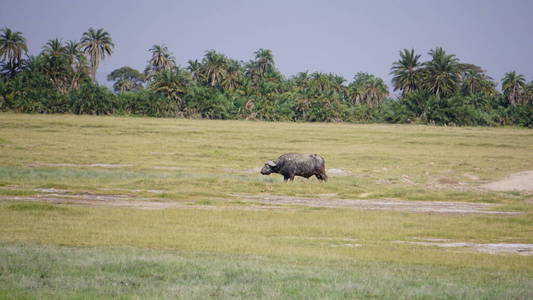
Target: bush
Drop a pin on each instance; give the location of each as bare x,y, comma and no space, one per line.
92,99
416,104
520,115
320,109
447,111
276,107
393,111
209,103
362,113
33,93
146,103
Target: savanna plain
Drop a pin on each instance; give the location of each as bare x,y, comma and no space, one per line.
135,208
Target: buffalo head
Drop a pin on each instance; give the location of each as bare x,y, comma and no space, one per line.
268,168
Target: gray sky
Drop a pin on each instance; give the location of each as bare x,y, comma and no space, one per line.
342,37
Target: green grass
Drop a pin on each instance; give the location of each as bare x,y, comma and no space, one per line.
204,150
35,207
219,246
51,272
301,233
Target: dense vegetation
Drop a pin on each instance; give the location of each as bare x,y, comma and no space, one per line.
443,90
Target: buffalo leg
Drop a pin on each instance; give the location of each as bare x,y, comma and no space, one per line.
322,177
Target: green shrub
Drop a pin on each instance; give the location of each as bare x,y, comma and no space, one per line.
92,99
277,107
362,113
32,92
393,111
209,103
520,115
146,103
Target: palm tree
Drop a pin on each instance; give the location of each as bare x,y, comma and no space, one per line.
442,73
57,66
78,61
319,83
474,82
299,81
215,67
328,85
233,76
251,72
96,44
64,64
76,57
264,61
72,50
161,59
367,89
72,47
513,86
529,92
53,47
407,72
172,83
12,45
34,63
196,69
375,91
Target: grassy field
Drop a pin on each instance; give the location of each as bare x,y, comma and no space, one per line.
214,242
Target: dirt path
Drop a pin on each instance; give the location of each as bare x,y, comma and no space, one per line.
493,248
383,204
68,165
252,202
58,196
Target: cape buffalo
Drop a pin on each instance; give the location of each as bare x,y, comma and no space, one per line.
290,165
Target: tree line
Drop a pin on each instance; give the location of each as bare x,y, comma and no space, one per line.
442,90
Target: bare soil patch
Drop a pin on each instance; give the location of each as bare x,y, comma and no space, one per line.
108,200
59,196
168,168
492,248
522,181
338,172
255,202
447,183
69,165
383,204
446,180
135,191
471,176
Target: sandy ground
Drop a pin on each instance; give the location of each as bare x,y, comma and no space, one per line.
67,165
59,196
382,204
522,181
254,202
493,248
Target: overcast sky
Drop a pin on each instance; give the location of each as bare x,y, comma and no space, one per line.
342,37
